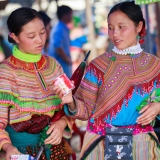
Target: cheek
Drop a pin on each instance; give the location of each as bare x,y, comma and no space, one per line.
44,36
110,33
27,42
130,32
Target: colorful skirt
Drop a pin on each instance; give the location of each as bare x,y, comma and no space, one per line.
28,143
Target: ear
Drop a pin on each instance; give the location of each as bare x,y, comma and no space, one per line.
14,37
139,26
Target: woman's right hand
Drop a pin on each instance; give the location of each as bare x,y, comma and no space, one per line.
11,150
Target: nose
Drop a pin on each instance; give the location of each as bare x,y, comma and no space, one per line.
39,39
115,32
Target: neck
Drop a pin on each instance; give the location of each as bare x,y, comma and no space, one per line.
33,58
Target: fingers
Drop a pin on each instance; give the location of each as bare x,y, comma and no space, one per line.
58,91
148,115
53,139
146,120
13,152
144,109
50,129
55,136
145,116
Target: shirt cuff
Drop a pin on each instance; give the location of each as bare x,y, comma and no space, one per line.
158,117
68,111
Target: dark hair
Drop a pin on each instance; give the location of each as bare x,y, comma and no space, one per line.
46,19
63,10
134,13
18,18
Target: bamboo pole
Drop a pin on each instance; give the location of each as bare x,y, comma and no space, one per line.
148,36
91,30
157,7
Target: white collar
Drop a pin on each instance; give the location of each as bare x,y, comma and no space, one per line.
130,50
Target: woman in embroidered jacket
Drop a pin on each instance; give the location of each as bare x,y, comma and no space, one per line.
113,89
27,100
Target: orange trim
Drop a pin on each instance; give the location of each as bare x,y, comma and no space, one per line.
27,65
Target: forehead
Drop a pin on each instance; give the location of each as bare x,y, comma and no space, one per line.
33,26
119,17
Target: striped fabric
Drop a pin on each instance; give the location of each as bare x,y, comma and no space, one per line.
28,89
145,148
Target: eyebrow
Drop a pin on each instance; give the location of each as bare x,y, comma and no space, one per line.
118,23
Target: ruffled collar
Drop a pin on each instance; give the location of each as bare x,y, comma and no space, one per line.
130,50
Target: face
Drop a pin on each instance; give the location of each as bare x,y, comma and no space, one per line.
122,30
68,17
32,37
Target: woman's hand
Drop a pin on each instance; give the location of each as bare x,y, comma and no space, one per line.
56,132
11,150
67,99
149,113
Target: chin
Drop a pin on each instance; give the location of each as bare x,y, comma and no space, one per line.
121,47
35,53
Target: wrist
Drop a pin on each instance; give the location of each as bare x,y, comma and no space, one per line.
63,122
6,146
72,105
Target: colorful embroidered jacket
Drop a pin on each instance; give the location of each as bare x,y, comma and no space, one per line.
27,89
113,87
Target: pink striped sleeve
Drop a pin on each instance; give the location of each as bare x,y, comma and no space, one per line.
4,138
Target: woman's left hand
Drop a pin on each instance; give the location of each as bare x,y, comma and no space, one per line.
56,132
149,113
65,99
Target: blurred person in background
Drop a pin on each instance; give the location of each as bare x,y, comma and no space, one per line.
59,45
5,49
2,56
47,23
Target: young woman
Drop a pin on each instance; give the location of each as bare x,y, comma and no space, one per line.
28,103
111,93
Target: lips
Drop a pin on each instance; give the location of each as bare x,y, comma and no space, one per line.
39,47
117,41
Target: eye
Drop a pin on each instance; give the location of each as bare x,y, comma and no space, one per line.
110,28
31,37
43,32
121,27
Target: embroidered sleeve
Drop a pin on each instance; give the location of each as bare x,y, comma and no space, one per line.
86,95
4,138
68,130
